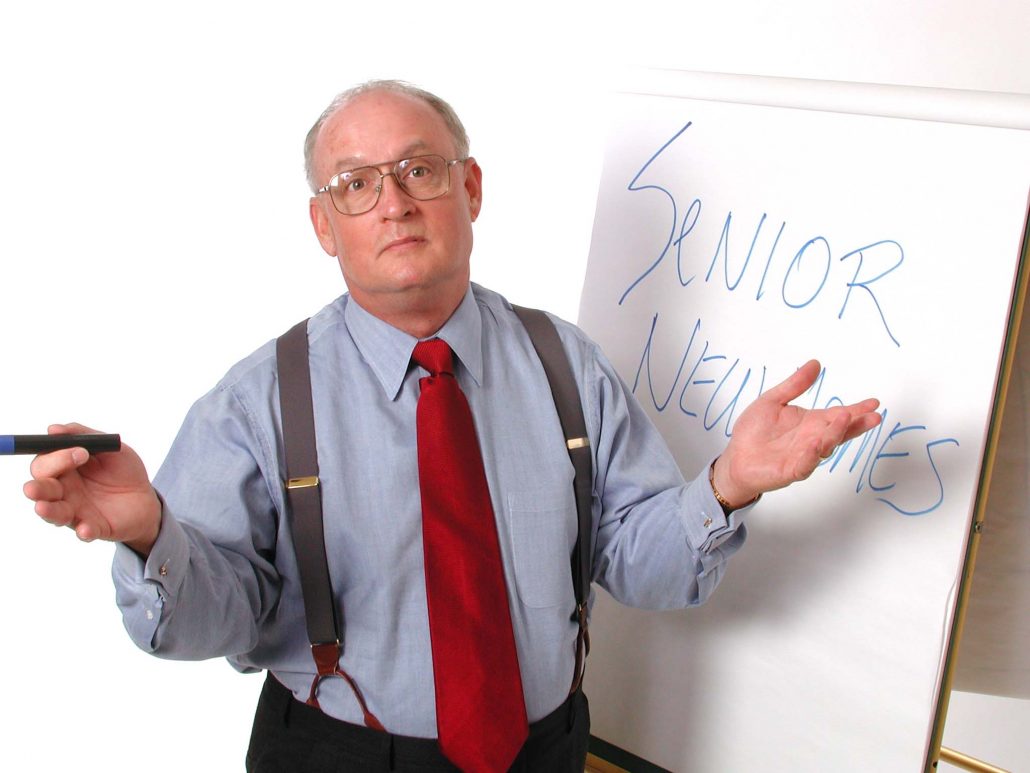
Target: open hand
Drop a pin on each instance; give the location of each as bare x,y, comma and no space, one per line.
775,444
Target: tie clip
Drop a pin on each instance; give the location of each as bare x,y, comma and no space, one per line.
308,482
577,442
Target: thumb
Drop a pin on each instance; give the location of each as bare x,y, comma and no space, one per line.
796,384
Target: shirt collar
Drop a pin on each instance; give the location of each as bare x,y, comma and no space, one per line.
387,350
463,332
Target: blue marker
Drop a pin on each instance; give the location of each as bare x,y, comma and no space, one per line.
44,444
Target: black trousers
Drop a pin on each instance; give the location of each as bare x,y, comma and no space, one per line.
291,737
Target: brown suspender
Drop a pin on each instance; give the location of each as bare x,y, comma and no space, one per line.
303,497
570,413
304,500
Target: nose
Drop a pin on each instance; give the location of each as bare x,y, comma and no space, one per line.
394,201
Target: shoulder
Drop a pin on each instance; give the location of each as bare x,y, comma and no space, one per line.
497,309
257,369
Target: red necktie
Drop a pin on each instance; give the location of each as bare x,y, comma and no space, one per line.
480,709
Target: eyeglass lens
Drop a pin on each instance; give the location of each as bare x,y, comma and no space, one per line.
357,191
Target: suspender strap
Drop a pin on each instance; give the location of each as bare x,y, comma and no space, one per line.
570,414
304,501
302,487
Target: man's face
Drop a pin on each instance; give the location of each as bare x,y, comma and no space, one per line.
403,253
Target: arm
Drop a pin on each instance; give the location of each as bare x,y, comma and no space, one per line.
660,542
210,580
663,543
193,571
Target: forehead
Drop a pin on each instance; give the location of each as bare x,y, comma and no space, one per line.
380,126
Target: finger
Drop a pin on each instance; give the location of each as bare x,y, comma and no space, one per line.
796,384
865,406
58,513
57,463
845,426
861,425
807,461
85,531
44,490
833,434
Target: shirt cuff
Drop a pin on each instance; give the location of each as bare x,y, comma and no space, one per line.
706,523
142,587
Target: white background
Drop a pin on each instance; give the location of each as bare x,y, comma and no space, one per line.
153,230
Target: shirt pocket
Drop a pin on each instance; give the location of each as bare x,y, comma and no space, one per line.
543,533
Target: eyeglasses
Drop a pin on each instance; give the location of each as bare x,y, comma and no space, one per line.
356,191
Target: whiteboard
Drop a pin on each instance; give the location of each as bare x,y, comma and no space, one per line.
732,242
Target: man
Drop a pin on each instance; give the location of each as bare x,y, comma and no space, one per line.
207,567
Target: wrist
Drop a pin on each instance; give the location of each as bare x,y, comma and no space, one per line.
727,495
144,542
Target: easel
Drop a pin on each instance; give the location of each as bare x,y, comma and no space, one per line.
937,752
966,762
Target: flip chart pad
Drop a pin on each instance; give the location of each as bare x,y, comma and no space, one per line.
731,243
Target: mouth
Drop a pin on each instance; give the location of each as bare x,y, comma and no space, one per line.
402,243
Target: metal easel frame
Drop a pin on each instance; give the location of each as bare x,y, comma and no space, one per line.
936,751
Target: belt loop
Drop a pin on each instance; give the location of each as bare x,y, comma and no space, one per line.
391,759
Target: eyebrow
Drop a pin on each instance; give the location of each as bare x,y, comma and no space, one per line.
418,147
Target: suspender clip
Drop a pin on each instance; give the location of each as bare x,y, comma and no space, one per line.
327,656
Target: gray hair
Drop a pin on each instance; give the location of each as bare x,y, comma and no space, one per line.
446,112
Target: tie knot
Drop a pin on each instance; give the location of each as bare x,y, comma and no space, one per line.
434,355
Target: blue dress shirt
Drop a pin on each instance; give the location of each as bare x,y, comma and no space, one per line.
222,578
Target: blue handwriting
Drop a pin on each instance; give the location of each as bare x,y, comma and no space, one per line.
713,387
806,275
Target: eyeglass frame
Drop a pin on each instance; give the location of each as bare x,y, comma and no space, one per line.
393,173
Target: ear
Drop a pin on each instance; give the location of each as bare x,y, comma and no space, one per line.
323,227
474,187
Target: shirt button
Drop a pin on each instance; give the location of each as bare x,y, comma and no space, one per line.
150,615
163,571
708,522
